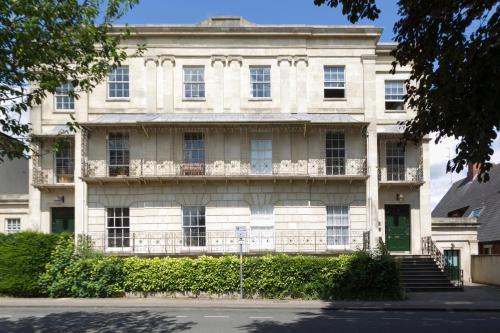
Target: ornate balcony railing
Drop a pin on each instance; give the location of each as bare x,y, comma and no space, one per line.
221,242
43,177
143,168
403,175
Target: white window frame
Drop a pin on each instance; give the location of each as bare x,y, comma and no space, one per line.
262,227
67,161
124,225
125,149
112,79
12,225
258,146
62,100
337,152
262,80
199,215
334,81
193,80
338,219
394,93
394,151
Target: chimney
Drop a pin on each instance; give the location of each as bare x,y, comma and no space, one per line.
473,170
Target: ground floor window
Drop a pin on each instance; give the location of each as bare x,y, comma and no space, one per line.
12,225
262,227
337,225
193,226
118,227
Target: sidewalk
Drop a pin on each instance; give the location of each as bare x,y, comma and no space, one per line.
477,298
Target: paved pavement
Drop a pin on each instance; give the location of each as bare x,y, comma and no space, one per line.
474,298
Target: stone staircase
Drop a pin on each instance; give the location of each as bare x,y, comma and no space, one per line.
420,273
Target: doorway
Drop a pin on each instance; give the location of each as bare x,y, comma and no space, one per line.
397,227
63,219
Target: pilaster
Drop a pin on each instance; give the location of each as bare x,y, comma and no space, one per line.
151,64
167,63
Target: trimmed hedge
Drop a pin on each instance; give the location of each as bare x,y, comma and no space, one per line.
23,257
357,276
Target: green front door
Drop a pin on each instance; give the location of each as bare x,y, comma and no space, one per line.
452,262
397,227
63,219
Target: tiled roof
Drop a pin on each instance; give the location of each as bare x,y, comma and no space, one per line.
472,194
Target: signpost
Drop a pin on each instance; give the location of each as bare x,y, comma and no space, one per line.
241,233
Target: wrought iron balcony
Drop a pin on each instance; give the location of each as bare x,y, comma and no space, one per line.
221,242
404,175
351,168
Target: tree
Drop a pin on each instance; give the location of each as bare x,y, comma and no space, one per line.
47,43
453,47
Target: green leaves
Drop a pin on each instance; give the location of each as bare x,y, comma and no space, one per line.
47,43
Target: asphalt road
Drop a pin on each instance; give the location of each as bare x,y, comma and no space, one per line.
207,320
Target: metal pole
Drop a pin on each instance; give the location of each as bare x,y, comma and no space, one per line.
241,268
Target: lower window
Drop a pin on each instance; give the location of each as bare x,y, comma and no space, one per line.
118,227
337,225
193,226
262,227
12,226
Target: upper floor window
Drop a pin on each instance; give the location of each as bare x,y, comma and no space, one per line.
118,227
334,82
118,82
261,155
193,226
194,154
118,154
335,153
395,160
260,81
337,225
394,95
476,212
63,99
12,225
194,82
65,163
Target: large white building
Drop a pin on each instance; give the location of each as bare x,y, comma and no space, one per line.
290,131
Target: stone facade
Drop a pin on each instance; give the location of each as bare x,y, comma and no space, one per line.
157,183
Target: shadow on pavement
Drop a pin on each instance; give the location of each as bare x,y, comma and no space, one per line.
69,322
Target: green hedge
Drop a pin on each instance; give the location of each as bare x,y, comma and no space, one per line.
81,272
23,257
357,276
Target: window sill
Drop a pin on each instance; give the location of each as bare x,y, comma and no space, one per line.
335,99
194,99
260,99
117,99
395,111
64,111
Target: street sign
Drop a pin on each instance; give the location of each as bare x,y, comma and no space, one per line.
240,231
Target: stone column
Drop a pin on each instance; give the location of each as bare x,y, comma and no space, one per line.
284,63
81,150
218,64
369,101
151,77
425,195
34,193
168,63
232,93
301,63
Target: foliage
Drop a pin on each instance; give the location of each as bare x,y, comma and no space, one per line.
23,257
453,48
47,43
81,272
272,276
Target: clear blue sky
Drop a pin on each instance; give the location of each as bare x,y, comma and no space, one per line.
258,11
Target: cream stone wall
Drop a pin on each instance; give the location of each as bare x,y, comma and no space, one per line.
297,56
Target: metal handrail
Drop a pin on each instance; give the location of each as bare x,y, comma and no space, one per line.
430,248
